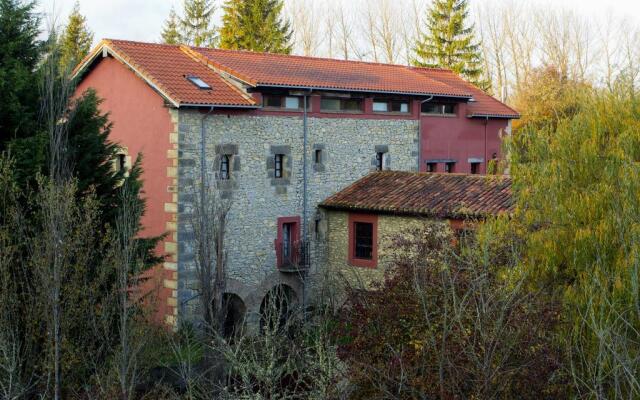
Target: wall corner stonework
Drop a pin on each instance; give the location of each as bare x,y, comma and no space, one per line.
170,264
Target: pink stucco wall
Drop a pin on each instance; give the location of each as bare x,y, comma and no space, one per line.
142,123
460,138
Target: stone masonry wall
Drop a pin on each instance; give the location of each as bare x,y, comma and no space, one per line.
390,227
347,151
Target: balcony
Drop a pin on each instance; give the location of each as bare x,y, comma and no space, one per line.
292,256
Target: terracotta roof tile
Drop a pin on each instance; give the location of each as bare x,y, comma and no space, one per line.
431,195
484,105
265,69
166,66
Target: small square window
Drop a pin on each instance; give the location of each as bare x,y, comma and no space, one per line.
279,161
272,101
449,167
379,106
292,102
475,168
432,167
330,104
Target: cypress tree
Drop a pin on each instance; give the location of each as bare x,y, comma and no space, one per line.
255,25
450,42
171,30
20,52
76,40
197,23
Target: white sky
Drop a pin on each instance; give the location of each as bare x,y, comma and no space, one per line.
142,19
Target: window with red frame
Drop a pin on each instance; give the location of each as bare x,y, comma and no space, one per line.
363,240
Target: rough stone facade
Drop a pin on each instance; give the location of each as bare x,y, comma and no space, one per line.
389,228
340,151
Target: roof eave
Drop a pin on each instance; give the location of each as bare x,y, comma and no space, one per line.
501,116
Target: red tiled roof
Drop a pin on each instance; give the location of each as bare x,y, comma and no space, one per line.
431,195
265,69
484,105
165,68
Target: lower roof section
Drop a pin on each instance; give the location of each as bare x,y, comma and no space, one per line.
459,196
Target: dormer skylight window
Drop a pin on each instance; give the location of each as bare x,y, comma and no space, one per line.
198,82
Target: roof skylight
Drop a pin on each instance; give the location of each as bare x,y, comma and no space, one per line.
198,82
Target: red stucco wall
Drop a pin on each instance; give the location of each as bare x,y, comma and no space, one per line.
460,138
142,123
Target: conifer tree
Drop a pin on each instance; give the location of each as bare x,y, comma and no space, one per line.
76,40
20,52
197,23
450,43
255,25
171,31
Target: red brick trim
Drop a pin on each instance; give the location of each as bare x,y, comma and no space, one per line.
358,262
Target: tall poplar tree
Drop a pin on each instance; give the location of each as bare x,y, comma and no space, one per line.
76,40
450,42
197,23
171,31
255,25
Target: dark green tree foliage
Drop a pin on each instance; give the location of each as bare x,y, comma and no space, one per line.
171,30
255,25
19,56
197,23
76,40
450,43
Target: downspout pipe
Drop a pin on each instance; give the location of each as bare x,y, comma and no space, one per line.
420,130
305,235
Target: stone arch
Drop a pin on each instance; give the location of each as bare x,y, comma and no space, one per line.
277,306
235,312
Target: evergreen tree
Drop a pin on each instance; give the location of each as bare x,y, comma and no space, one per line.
171,30
197,23
255,25
76,40
20,52
450,42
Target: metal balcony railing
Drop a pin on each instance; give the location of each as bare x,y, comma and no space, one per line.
292,256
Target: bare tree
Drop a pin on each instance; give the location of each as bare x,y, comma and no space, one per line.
305,27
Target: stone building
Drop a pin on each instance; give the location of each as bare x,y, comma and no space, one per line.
365,219
278,134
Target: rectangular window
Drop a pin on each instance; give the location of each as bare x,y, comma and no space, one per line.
343,105
317,156
279,161
439,108
121,162
432,167
363,240
397,106
380,157
287,243
224,166
283,102
475,168
449,167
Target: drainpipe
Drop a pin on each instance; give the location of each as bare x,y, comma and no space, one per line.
420,130
305,238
